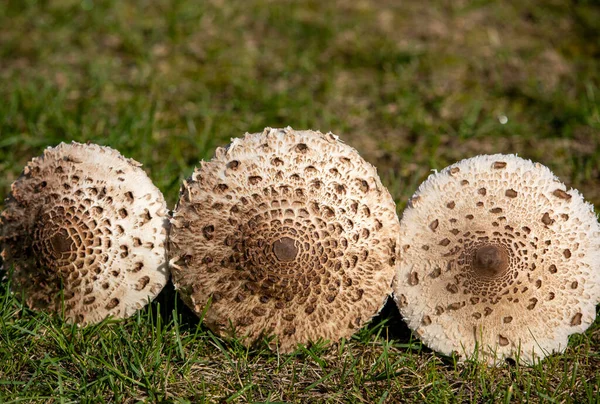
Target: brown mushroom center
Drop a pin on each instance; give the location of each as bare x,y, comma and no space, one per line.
285,249
61,242
490,261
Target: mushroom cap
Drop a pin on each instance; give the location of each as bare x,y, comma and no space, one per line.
286,232
498,259
85,226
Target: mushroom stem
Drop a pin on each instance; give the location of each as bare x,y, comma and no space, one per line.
490,261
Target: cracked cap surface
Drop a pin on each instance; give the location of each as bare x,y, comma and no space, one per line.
497,256
288,233
85,223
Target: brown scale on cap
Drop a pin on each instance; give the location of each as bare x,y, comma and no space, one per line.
86,225
507,259
288,233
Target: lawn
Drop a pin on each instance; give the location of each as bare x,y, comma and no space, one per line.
413,86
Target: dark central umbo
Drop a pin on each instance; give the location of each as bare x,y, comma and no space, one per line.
490,261
285,249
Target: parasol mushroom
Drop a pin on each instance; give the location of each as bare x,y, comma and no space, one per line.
84,230
284,232
498,259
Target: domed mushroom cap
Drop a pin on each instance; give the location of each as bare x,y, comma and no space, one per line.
500,258
84,222
288,233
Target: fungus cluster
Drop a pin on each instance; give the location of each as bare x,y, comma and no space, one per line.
498,259
84,230
291,233
284,232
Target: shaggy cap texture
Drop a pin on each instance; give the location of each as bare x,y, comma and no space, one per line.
85,224
286,232
498,259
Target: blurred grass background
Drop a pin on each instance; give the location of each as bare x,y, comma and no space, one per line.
414,86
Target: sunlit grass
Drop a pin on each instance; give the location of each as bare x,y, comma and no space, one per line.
414,86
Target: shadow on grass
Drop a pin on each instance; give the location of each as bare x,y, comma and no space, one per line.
168,304
394,327
387,325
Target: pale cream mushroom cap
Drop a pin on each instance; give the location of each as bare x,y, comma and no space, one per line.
289,233
85,224
498,258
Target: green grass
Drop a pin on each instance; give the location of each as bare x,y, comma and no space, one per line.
166,355
414,86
